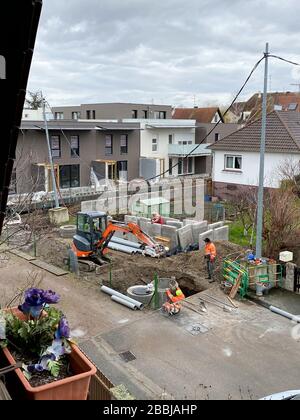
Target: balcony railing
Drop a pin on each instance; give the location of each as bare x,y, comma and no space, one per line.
180,150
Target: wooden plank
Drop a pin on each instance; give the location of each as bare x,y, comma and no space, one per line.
232,302
50,268
23,255
236,287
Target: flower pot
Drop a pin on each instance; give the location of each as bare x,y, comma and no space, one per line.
75,387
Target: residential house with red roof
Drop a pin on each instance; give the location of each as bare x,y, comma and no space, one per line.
236,158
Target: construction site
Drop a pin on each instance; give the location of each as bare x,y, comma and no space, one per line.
138,345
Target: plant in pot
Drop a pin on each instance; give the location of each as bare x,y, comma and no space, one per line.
38,335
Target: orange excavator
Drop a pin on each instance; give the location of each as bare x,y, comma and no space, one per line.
94,232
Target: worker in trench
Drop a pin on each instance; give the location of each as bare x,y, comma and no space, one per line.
210,258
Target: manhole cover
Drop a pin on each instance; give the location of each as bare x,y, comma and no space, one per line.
127,356
197,329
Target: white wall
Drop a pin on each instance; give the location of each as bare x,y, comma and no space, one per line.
162,136
249,174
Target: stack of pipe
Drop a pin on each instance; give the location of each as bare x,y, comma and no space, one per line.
123,245
122,299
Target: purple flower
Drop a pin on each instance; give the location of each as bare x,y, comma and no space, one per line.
63,330
50,297
37,368
34,297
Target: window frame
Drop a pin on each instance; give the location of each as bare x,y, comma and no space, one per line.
134,114
69,168
58,115
181,166
234,157
154,145
57,136
124,149
109,150
75,152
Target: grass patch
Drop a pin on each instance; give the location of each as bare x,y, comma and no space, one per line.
236,235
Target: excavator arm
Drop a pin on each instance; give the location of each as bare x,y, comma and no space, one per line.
151,247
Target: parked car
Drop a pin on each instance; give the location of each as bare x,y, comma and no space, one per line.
284,396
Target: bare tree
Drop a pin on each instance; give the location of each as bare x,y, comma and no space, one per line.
35,100
289,173
281,220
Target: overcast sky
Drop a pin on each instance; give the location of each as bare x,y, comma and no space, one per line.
167,51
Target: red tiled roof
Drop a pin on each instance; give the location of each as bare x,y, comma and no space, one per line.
283,135
201,115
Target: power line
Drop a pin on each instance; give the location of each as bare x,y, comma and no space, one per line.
216,125
284,59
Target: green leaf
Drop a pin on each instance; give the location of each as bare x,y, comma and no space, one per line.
54,368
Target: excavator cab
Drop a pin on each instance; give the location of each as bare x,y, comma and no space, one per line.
90,229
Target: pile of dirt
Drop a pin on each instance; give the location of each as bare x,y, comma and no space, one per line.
189,269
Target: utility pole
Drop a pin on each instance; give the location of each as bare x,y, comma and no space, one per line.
50,156
260,201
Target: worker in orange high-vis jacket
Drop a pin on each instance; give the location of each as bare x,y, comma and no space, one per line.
210,257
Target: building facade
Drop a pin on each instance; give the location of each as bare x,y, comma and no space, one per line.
112,111
79,150
236,158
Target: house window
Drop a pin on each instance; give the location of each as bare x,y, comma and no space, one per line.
156,115
154,145
75,115
170,166
134,114
69,176
122,168
75,146
108,145
170,138
59,115
55,146
88,115
185,142
217,137
185,166
233,163
124,144
94,115
162,115
145,114
216,118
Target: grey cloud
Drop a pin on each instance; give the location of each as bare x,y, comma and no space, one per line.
169,51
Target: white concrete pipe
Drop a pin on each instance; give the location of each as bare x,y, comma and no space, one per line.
278,311
126,243
112,292
122,248
124,302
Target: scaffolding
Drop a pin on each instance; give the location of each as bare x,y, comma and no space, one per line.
269,274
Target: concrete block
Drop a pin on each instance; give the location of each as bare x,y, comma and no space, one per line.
154,229
130,219
170,232
208,234
221,233
144,225
198,228
176,224
185,236
169,219
59,216
187,222
290,277
215,225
